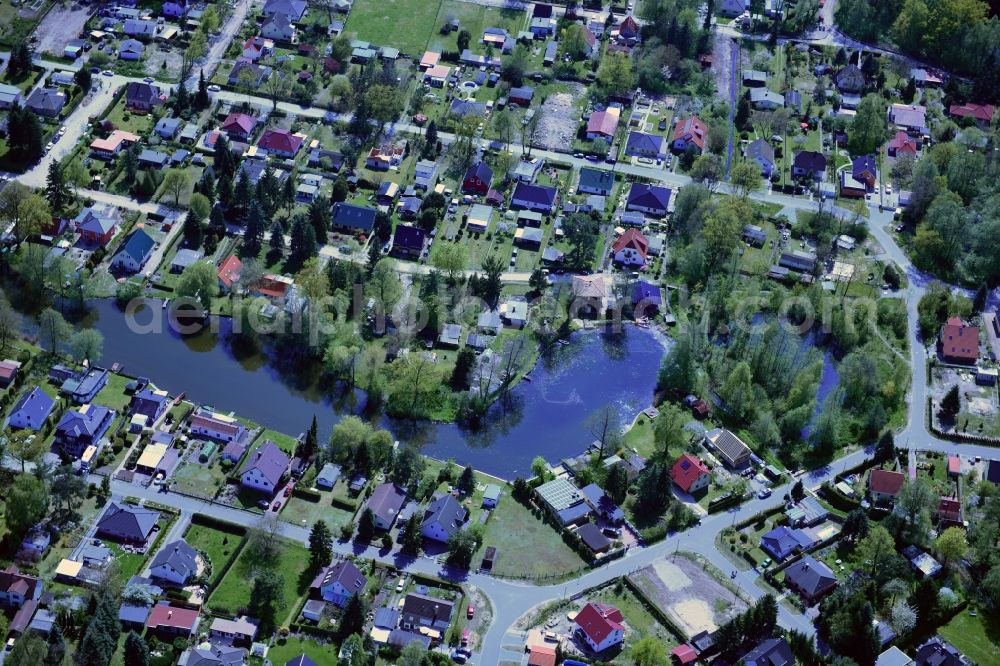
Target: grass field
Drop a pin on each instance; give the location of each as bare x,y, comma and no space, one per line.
233,592
526,546
474,18
304,513
976,637
113,395
405,24
287,649
218,546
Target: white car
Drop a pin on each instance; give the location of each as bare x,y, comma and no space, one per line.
214,87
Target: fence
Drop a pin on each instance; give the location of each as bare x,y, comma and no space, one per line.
956,436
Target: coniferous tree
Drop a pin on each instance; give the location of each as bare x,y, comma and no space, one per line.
136,650
24,134
256,224
201,100
320,545
56,190
56,647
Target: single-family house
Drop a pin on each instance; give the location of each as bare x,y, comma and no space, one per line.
437,76
646,298
754,78
442,518
31,410
958,342
116,142
809,164
909,117
783,541
631,248
134,252
48,102
265,469
153,159
600,626
590,295
764,99
216,426
97,226
150,403
327,477
864,169
280,142
429,59
353,218
690,474
239,126
602,505
529,238
649,199
408,242
902,144
229,272
338,582
209,654
78,429
176,563
248,74
139,28
689,133
81,387
541,198
478,218
564,500
981,114
170,622
127,523
385,502
167,128
140,96
130,49
477,179
884,484
850,79
733,451
851,187
761,152
17,589
521,96
810,578
938,652
798,260
603,124
733,8
10,96
772,652
596,181
279,28
384,158
421,612
293,9
425,174
628,31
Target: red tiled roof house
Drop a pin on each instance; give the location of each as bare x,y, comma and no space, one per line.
884,484
690,474
959,342
600,626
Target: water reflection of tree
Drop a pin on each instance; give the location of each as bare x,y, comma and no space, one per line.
614,339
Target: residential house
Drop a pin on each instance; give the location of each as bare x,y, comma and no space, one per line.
650,199
10,96
134,252
938,652
763,99
265,469
521,96
525,171
646,298
78,429
733,451
216,426
139,28
958,342
353,218
130,49
925,565
529,238
772,652
429,59
255,48
808,512
142,97
596,181
280,142
690,474
176,563
909,117
443,517
153,159
150,403
116,142
809,164
384,158
902,144
338,582
385,502
127,523
279,28
168,622
949,513
239,126
539,198
981,114
17,589
450,336
97,226
74,48
425,174
133,616
248,74
793,102
631,248
884,484
489,322
590,295
849,79
761,152
421,612
851,187
478,178
30,411
514,312
437,76
564,500
208,654
690,133
81,387
239,631
733,8
185,257
47,102
229,272
783,541
810,578
628,31
491,496
925,77
798,260
408,242
753,78
174,9
478,218
167,128
600,626
327,477
865,170
603,124
293,9
602,505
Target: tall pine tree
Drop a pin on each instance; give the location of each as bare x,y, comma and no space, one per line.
56,191
257,223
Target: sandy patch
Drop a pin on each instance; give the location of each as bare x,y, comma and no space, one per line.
694,615
673,578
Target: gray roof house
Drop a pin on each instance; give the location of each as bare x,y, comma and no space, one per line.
385,503
167,128
127,523
761,152
442,518
810,578
48,102
328,476
176,563
420,610
213,655
265,469
294,9
768,100
338,582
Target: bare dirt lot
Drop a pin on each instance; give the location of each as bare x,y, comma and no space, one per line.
61,24
560,119
980,406
693,599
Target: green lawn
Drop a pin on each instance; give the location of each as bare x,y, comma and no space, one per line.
474,18
976,637
201,479
233,592
217,545
405,24
526,546
305,513
113,395
286,649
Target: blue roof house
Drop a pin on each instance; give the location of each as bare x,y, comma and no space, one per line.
134,252
649,199
82,387
650,146
31,410
782,542
647,294
349,217
81,428
761,152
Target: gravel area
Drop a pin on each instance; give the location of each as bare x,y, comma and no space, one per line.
560,119
60,25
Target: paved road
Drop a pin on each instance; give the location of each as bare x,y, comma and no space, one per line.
219,45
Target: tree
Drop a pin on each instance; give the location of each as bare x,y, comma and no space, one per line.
952,544
540,467
266,597
707,169
451,258
616,483
353,619
462,545
745,178
410,539
20,60
199,207
605,425
201,98
798,492
538,280
175,182
950,404
616,74
581,235
23,209
24,134
366,526
263,545
87,345
384,285
56,190
29,650
55,646
649,651
493,268
465,361
903,617
855,525
463,40
136,650
27,503
466,481
885,449
868,129
67,489
320,545
200,282
875,549
53,329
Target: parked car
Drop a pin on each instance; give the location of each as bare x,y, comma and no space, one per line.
764,494
107,72
262,504
276,506
470,611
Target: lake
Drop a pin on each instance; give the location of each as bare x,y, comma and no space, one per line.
544,416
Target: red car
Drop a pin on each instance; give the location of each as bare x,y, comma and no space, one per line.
471,612
288,490
275,506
